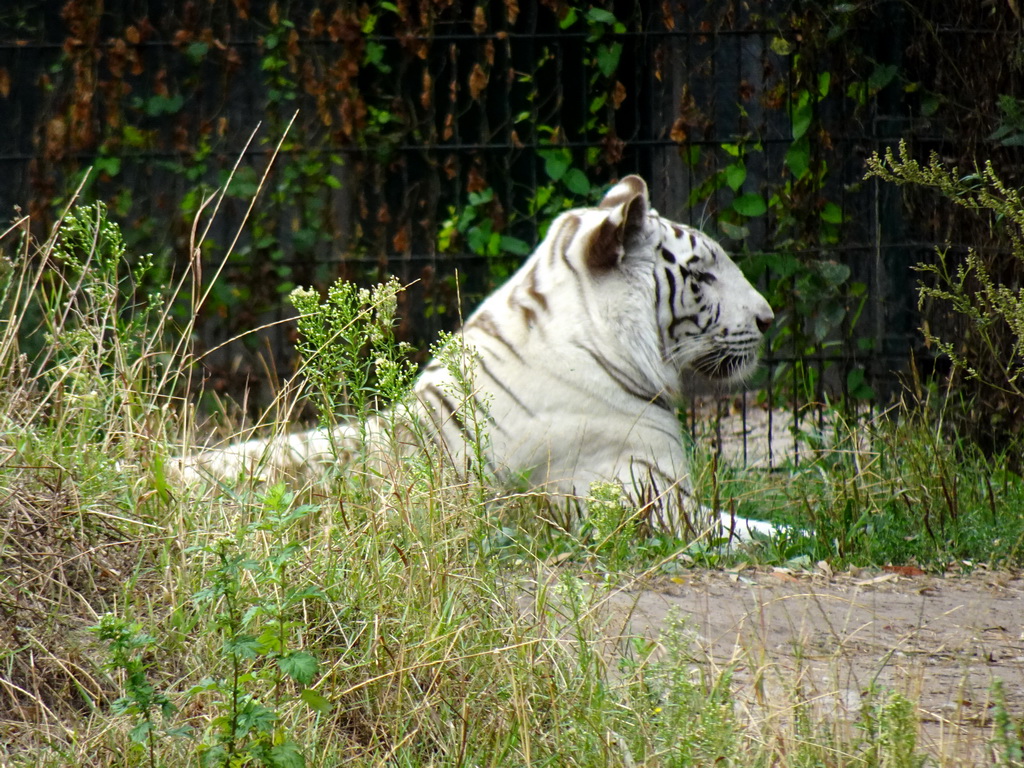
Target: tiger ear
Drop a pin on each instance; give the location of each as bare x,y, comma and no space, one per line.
627,205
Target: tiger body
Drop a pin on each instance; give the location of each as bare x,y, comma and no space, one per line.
574,366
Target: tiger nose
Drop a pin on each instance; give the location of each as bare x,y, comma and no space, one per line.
764,320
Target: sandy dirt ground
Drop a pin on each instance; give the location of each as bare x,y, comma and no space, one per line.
939,641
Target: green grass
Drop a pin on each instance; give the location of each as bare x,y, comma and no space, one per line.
334,621
893,489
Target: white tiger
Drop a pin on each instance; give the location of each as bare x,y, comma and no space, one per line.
577,362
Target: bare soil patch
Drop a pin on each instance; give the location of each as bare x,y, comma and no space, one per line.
827,638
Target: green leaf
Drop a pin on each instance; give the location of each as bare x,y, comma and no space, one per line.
735,175
857,386
140,733
784,264
734,231
514,245
832,213
824,80
577,182
196,51
315,701
930,103
286,755
108,165
833,273
133,137
164,105
180,731
214,757
781,46
750,205
608,58
600,16
556,162
828,318
803,113
245,646
299,666
256,717
881,76
858,91
798,157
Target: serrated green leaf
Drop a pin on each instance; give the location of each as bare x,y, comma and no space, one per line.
315,701
180,731
299,666
307,593
750,205
255,717
140,733
246,646
577,182
286,755
783,264
214,757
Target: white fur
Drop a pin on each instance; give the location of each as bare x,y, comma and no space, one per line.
574,368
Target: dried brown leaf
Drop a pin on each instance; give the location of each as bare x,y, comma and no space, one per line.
479,20
477,81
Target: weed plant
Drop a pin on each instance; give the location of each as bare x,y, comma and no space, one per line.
974,305
307,624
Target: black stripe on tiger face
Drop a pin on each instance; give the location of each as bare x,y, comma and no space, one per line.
694,320
441,411
485,322
503,387
627,383
532,290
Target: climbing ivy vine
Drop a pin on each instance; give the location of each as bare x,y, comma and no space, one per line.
420,137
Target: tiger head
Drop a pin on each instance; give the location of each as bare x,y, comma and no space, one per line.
709,317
